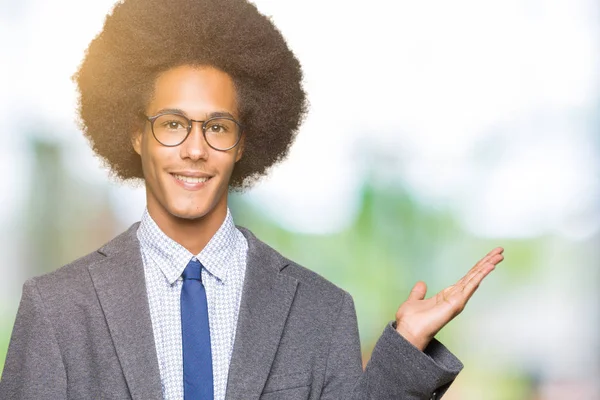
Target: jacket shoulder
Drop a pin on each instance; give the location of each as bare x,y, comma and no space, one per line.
311,278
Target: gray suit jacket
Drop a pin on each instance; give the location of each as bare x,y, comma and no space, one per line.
84,332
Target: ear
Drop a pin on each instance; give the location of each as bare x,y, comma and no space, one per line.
240,152
136,142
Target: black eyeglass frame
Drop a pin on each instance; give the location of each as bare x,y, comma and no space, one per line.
190,126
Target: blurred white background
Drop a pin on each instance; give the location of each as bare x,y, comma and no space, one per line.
488,111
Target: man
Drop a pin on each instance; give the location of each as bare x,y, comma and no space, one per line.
196,98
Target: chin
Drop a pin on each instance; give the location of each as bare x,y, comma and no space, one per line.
190,210
190,213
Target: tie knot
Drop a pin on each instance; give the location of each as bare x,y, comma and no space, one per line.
193,271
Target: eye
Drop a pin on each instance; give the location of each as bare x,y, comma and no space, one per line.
173,125
216,128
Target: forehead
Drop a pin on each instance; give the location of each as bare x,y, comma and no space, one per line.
196,90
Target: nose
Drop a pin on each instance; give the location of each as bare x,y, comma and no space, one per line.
195,146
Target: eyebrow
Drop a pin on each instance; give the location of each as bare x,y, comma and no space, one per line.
214,114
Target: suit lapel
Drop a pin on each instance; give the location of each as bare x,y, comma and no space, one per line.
120,284
266,300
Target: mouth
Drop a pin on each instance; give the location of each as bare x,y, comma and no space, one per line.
191,182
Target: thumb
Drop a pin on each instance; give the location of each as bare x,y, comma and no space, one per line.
418,291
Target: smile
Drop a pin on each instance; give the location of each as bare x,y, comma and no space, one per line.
191,182
190,179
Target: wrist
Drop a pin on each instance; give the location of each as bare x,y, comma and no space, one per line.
416,340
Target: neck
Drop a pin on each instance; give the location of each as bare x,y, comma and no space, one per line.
192,234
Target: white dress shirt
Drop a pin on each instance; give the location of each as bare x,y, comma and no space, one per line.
224,261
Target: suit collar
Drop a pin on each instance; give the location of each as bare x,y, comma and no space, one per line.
266,300
121,288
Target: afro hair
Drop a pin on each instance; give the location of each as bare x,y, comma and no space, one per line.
142,38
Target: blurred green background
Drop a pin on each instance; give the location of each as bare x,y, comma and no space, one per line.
437,131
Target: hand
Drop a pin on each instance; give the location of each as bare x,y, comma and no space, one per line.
418,319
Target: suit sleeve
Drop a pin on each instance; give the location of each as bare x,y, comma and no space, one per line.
397,370
34,367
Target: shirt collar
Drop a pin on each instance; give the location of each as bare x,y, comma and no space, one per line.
172,258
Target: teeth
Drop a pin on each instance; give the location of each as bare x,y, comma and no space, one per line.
189,179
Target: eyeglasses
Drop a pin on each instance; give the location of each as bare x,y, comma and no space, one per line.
171,129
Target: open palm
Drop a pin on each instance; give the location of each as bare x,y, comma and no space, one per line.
419,319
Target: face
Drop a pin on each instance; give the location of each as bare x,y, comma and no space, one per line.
191,180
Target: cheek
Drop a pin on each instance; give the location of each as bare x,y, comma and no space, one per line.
154,159
227,164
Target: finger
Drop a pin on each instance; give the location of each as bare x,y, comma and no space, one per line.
482,268
497,252
469,288
494,257
418,291
484,263
458,295
489,257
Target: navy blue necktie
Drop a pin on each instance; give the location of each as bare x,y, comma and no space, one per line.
195,335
